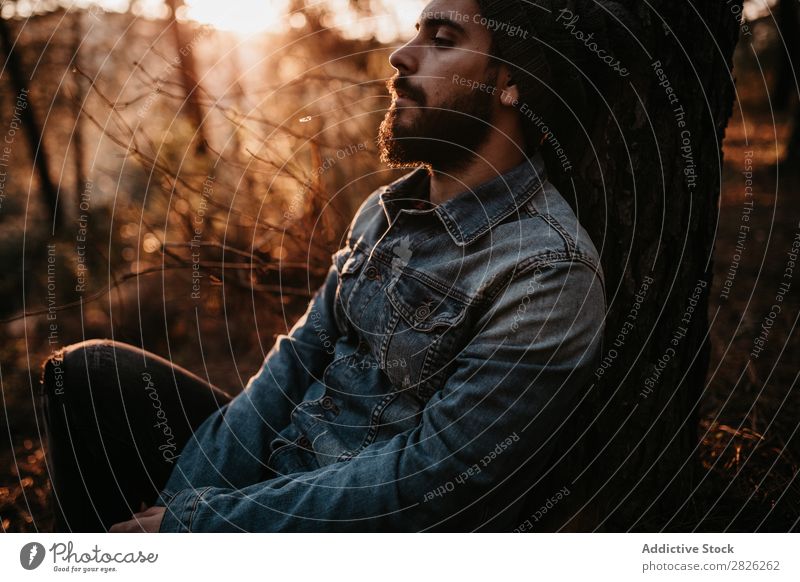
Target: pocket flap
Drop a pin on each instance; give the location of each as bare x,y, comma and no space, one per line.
422,306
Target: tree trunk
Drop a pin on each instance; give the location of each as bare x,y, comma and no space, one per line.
79,153
791,158
649,198
789,43
188,73
29,125
786,81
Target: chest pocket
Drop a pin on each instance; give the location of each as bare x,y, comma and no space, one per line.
428,325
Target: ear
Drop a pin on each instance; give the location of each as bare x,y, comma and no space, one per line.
510,96
509,90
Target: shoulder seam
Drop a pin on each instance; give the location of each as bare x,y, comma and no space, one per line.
546,258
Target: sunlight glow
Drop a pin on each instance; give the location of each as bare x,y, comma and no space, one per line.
241,16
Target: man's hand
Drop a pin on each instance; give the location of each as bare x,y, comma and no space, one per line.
148,520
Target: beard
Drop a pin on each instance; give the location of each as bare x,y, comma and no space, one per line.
444,137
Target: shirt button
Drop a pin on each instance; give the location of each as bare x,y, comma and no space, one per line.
422,312
327,403
372,273
303,442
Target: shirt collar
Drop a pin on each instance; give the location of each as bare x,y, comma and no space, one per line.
472,213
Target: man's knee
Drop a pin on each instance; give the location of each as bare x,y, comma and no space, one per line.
69,371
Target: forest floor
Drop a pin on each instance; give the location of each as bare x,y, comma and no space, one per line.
750,410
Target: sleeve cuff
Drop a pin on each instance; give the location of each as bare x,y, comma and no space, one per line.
163,499
180,509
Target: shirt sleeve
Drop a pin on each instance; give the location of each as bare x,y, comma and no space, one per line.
514,382
229,448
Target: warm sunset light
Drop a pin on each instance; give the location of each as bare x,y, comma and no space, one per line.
241,16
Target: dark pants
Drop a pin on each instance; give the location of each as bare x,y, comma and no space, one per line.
116,418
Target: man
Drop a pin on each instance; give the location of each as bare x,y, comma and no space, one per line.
452,338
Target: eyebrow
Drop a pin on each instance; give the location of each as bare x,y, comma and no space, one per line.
431,22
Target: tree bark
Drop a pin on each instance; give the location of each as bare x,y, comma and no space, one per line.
649,198
30,126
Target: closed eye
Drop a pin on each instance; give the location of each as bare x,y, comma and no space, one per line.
442,42
440,31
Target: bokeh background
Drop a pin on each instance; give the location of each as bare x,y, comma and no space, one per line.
202,161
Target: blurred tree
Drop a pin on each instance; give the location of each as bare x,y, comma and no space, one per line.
238,95
791,158
789,41
30,126
184,48
79,94
784,94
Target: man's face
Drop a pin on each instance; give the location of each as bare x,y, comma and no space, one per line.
443,92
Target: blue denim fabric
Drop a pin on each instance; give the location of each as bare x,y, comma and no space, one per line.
444,348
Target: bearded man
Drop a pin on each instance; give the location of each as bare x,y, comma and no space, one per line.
453,337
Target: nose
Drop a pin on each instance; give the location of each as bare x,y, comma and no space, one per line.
403,60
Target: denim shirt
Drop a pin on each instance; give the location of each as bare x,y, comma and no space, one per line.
446,345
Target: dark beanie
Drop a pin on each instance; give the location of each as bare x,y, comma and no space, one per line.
556,69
